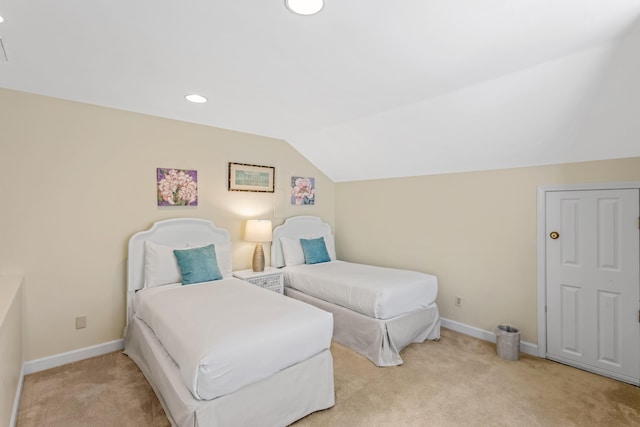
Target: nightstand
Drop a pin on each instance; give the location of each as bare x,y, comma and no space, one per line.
271,278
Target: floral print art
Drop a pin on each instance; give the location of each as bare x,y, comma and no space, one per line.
303,191
177,187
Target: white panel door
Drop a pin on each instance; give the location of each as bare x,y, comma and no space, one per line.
593,281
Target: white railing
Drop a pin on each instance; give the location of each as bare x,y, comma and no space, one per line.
11,356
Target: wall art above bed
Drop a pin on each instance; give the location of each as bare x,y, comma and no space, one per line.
244,177
303,191
177,187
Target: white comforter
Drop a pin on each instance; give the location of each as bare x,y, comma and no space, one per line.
379,292
226,334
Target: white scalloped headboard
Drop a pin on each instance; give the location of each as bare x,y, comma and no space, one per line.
171,232
297,227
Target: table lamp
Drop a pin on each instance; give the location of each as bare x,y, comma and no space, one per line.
258,230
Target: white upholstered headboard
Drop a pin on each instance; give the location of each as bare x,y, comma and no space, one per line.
296,227
176,232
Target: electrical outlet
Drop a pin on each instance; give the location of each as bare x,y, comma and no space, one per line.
81,322
458,302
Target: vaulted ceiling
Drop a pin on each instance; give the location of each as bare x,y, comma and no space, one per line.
364,89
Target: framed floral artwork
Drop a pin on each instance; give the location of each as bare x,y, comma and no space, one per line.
303,191
177,187
243,177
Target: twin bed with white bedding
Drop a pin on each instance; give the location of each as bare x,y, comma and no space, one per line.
221,352
376,311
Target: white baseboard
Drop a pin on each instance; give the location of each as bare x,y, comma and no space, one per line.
56,360
525,347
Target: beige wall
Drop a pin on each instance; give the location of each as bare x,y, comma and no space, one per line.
79,180
475,231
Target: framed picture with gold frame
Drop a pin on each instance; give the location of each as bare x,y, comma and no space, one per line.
245,177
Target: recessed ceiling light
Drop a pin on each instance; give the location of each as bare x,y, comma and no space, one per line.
1,19
198,99
304,7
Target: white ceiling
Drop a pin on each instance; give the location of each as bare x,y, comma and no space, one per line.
366,88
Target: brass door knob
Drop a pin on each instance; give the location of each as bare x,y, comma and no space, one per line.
554,235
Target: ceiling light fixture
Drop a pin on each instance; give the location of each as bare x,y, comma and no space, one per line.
198,99
304,7
1,19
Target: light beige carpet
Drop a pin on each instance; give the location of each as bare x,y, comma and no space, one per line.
103,391
458,381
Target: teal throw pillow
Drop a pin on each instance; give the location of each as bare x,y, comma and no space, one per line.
315,250
198,265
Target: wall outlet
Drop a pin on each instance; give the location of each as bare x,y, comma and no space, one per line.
458,302
81,322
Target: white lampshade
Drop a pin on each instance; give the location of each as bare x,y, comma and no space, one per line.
258,230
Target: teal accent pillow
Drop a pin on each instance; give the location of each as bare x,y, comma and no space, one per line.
315,250
198,264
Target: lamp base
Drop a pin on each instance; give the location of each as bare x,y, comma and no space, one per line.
258,258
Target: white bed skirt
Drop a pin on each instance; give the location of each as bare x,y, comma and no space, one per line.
378,340
275,401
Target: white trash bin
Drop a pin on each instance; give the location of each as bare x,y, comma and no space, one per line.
508,342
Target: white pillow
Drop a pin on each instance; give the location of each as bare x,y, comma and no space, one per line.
160,265
292,249
223,256
331,246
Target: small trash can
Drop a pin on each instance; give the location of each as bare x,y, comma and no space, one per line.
508,342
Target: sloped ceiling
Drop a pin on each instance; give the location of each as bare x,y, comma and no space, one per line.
365,89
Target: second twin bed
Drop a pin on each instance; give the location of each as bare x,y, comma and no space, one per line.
376,311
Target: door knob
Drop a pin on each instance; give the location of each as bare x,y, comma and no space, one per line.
554,235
